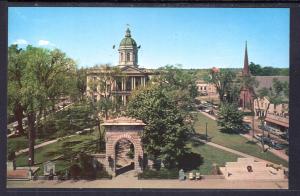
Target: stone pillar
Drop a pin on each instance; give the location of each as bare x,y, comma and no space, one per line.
125,100
133,82
125,81
122,84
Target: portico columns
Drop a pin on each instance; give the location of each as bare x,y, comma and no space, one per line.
123,85
132,83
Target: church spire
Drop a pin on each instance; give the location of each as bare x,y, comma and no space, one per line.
246,71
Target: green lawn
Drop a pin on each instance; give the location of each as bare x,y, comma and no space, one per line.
57,125
211,155
71,145
18,143
233,141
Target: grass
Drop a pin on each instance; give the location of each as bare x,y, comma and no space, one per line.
233,141
210,155
18,143
69,145
57,125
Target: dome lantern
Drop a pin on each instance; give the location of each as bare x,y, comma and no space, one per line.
128,50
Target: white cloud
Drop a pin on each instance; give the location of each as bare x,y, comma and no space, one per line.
21,42
45,43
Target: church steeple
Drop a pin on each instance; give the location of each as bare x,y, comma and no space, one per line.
246,71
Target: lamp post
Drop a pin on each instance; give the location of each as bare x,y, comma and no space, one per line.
206,131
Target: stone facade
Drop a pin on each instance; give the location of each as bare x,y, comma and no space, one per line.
120,80
123,128
206,88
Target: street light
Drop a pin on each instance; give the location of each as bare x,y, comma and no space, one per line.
29,163
206,131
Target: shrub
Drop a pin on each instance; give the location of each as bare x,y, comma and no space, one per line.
130,154
103,174
190,161
86,163
75,171
161,174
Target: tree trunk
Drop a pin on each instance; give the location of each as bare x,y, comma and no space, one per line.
18,113
253,115
31,136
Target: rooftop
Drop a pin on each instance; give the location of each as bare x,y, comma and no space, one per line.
123,120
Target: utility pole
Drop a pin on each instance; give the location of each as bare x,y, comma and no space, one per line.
206,131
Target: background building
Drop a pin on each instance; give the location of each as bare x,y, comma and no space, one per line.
205,88
118,82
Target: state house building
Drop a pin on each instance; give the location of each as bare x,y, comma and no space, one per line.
119,84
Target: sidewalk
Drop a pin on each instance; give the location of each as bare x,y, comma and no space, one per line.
236,152
275,152
42,144
16,123
209,116
158,184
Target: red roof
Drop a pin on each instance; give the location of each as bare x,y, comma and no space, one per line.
124,120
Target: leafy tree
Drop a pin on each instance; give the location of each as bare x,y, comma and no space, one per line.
255,69
16,68
223,80
104,106
166,132
179,84
230,118
81,82
44,76
258,70
248,82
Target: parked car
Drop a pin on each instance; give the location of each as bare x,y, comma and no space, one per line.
284,136
247,127
264,139
276,131
276,146
206,110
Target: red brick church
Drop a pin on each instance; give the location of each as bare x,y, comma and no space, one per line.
246,94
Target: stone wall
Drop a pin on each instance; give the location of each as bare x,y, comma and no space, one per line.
112,137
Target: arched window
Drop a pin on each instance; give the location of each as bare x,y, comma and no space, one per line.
122,58
128,56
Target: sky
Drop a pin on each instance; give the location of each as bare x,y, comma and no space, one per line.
193,37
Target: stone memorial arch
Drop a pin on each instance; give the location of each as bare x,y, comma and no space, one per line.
123,135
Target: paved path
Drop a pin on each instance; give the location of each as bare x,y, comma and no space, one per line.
16,122
42,144
275,152
161,184
279,153
209,116
235,151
